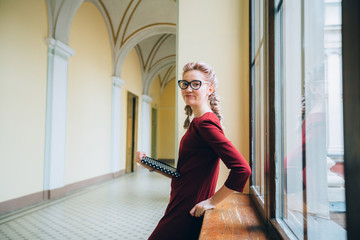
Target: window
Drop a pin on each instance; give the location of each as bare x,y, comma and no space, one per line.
310,185
259,97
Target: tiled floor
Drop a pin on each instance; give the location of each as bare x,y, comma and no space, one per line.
125,208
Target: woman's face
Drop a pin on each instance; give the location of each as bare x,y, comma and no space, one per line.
196,98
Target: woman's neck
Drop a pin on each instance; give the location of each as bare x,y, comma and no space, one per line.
199,111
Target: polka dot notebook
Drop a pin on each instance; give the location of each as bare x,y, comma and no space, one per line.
158,165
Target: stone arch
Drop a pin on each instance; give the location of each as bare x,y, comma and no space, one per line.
149,79
62,23
60,19
135,39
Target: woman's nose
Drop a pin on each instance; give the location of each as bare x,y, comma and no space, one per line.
188,89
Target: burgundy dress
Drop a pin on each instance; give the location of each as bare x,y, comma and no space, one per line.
200,149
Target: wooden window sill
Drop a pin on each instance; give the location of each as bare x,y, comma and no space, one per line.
234,218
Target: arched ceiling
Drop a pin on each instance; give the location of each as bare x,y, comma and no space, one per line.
149,26
166,75
157,54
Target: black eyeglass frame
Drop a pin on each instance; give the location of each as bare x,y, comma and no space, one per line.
190,84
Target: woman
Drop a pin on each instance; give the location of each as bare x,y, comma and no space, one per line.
200,150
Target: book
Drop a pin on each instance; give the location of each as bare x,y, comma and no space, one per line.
158,165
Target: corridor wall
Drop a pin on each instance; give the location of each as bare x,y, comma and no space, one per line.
217,32
164,102
131,74
155,92
31,61
166,139
88,125
23,64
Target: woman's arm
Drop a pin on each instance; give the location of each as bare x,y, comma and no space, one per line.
199,209
211,131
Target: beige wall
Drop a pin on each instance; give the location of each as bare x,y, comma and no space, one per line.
131,74
23,67
88,123
165,104
23,64
166,123
219,36
155,93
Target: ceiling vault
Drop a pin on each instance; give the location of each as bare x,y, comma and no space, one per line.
147,26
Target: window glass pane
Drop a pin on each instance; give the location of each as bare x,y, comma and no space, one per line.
261,19
259,124
279,126
309,125
256,24
259,98
252,31
262,120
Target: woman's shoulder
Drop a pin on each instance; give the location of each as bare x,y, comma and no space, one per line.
208,118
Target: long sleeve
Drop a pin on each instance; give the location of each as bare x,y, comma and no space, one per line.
211,131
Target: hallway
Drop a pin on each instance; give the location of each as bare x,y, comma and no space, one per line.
84,84
128,207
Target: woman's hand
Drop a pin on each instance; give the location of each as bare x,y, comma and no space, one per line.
139,156
199,209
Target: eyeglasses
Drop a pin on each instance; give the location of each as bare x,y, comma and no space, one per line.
194,84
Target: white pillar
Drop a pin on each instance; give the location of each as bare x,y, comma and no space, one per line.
54,166
115,123
146,124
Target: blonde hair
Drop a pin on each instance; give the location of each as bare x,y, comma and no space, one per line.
210,76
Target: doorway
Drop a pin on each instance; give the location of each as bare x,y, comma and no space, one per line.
132,130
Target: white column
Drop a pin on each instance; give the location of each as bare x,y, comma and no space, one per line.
54,169
146,124
115,123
